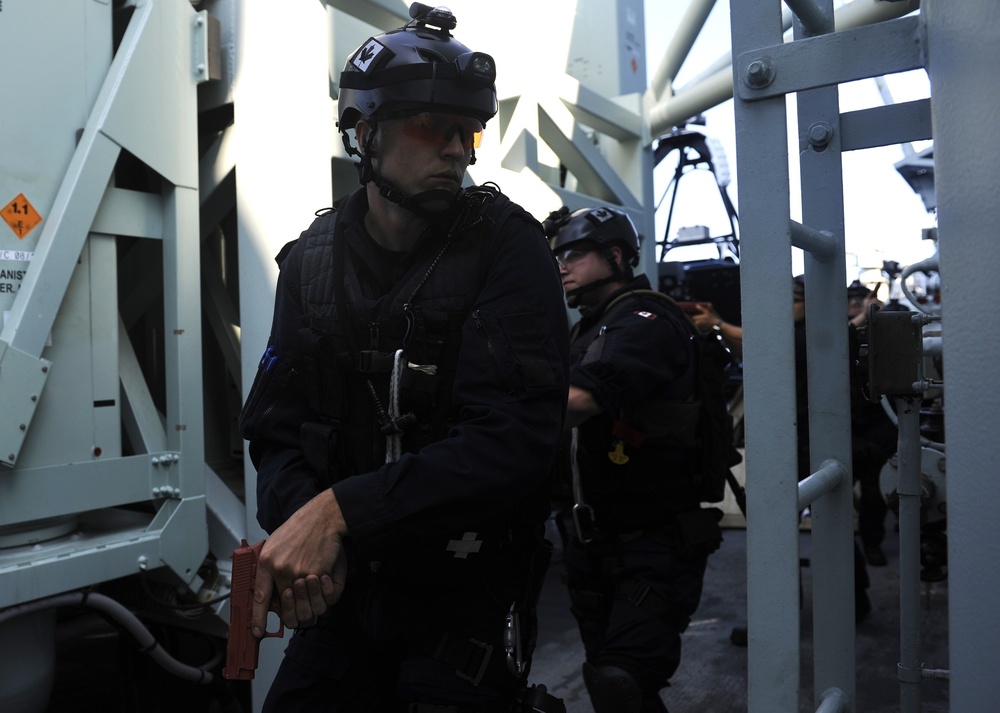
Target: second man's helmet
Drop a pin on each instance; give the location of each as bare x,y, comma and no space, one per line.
600,227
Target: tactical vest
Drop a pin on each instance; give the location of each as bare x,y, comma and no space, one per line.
383,365
633,461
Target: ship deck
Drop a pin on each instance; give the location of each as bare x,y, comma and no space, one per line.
712,677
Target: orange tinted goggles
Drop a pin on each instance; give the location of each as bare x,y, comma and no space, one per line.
438,129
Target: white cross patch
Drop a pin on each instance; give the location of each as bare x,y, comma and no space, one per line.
466,546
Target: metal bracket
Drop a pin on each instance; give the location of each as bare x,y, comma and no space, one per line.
206,55
22,377
160,472
834,58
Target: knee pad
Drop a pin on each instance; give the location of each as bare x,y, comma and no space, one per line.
612,689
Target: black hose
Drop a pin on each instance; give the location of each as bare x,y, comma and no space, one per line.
120,615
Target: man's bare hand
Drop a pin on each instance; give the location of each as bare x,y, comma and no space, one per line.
302,568
705,317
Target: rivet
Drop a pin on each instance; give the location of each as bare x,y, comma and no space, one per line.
759,74
820,134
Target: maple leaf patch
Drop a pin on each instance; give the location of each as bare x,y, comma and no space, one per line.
366,54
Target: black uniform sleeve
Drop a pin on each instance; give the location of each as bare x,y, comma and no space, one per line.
639,354
510,395
276,407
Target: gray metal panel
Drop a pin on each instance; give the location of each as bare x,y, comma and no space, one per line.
131,213
182,322
565,137
28,493
600,113
141,420
60,243
836,58
22,378
963,55
832,560
183,538
106,546
153,93
45,128
607,46
886,125
769,393
104,402
227,517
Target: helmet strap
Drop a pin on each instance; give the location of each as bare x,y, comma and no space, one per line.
618,272
351,150
430,205
366,172
617,275
573,296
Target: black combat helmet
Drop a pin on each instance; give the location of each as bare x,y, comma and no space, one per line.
857,290
594,228
599,229
417,67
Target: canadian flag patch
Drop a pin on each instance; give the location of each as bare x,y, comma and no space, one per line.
365,57
646,315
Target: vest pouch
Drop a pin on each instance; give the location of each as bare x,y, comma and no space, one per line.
418,389
427,331
698,532
667,424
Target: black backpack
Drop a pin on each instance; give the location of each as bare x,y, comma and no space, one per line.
715,433
716,430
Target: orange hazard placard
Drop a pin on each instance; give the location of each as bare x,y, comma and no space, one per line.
20,215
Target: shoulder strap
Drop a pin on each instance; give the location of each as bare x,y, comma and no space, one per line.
618,303
316,241
487,209
323,255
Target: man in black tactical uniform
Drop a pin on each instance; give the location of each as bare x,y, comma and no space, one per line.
406,414
636,559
